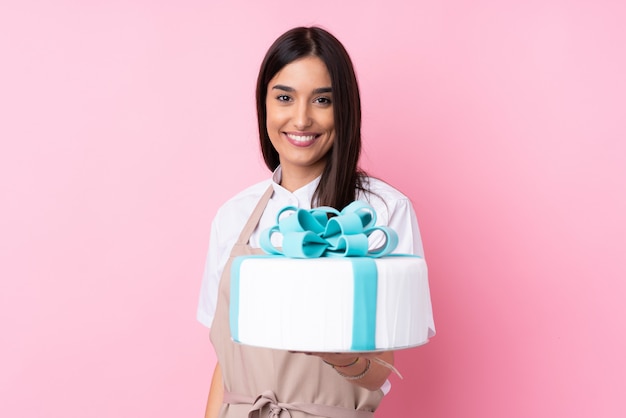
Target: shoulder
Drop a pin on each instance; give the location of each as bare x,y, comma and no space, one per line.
382,189
377,192
385,199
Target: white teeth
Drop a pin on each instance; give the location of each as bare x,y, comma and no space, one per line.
301,138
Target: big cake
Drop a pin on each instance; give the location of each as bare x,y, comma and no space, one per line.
325,291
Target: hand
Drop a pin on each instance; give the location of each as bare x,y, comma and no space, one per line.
342,359
374,373
339,359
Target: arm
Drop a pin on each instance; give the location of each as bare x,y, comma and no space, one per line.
216,394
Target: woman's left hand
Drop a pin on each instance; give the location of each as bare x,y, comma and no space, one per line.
352,364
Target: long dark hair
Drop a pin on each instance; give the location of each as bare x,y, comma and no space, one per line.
341,177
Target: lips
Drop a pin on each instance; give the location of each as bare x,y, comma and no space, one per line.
301,139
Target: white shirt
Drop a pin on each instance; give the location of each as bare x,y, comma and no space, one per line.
392,209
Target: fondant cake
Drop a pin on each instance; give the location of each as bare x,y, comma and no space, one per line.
330,304
325,289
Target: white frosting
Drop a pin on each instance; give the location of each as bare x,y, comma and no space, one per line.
307,304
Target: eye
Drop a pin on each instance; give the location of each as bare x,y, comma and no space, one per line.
324,101
283,98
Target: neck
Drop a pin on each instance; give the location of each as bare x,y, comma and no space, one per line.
295,178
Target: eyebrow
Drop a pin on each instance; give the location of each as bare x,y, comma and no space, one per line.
291,89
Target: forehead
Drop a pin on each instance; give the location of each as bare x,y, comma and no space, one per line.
303,73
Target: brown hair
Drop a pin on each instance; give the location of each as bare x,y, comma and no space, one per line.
341,177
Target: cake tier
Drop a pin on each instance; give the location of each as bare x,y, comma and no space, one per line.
330,304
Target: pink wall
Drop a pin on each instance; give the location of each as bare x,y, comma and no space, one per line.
125,124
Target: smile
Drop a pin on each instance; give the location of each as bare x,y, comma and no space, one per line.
301,140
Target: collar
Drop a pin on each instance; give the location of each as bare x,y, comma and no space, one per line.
303,195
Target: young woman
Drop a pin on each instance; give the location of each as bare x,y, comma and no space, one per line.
309,117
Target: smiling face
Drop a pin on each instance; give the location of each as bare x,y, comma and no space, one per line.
300,121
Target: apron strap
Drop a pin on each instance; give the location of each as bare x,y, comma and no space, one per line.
253,221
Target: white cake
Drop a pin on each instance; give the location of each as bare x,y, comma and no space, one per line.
331,304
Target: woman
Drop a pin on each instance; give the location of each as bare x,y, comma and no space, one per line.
309,118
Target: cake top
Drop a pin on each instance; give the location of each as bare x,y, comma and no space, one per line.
327,232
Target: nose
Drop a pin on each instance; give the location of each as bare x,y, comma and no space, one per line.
302,117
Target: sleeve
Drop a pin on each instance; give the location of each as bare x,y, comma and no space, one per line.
210,280
399,215
402,219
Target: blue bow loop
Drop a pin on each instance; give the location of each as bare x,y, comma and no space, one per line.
348,224
313,233
299,221
349,246
322,213
266,240
365,212
391,241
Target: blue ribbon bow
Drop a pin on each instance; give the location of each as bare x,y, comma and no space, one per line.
311,234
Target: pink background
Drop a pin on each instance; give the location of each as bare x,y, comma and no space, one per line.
125,124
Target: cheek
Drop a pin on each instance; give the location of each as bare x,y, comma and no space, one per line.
271,125
329,121
274,117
